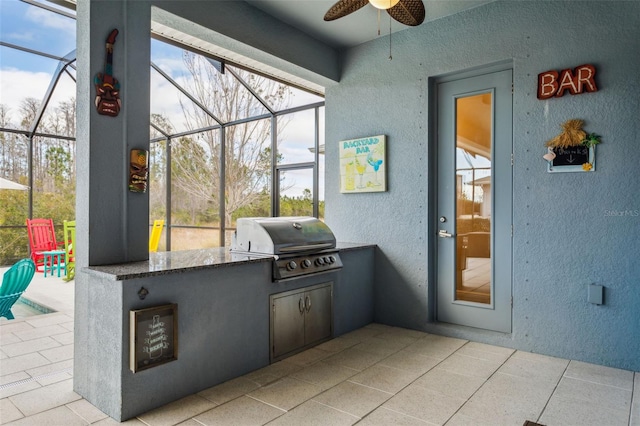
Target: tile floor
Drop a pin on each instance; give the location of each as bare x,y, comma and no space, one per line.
377,375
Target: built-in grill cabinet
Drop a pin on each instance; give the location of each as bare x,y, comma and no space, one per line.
300,319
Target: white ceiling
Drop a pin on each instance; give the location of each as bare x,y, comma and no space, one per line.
354,29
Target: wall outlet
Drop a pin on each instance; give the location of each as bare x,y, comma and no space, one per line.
595,294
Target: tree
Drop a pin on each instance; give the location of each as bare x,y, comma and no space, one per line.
247,146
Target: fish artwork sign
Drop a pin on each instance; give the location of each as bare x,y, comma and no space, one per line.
107,87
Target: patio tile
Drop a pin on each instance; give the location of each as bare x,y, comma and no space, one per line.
38,332
485,352
48,319
190,422
338,344
30,346
384,347
55,416
470,366
366,332
110,422
58,354
286,393
593,393
86,411
403,332
324,375
505,399
312,413
400,337
534,367
68,325
436,346
9,411
272,373
45,398
353,398
55,367
600,374
384,378
462,420
354,358
410,361
10,338
449,383
229,390
177,411
54,378
385,417
425,404
7,327
569,411
308,357
23,362
65,338
240,411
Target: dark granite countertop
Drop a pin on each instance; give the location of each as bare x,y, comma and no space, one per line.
171,262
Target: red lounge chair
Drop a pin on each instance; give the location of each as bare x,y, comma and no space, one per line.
42,237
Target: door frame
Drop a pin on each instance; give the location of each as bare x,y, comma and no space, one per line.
432,198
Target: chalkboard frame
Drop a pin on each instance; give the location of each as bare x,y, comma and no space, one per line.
551,168
139,320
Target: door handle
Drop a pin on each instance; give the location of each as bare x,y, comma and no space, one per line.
301,306
442,233
308,303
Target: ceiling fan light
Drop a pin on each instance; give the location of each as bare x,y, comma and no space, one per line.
383,4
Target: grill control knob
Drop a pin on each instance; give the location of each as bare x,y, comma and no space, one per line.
306,263
332,259
319,261
291,265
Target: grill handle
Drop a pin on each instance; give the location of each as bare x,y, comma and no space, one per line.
307,247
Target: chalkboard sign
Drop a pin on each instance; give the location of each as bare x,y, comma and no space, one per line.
153,336
572,158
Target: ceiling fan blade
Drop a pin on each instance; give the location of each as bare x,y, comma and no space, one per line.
408,12
343,8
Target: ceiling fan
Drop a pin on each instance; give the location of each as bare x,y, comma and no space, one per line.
407,12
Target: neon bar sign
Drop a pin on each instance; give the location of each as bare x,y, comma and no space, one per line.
553,83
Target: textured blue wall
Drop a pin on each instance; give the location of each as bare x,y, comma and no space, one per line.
570,229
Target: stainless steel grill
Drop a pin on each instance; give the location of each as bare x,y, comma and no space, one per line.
299,245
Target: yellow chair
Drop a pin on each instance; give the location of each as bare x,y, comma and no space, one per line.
70,248
156,232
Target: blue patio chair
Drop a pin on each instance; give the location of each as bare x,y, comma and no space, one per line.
14,282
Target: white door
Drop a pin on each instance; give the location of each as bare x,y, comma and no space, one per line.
474,202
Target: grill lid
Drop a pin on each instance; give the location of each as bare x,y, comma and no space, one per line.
281,235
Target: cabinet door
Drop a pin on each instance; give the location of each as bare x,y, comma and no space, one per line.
288,324
318,319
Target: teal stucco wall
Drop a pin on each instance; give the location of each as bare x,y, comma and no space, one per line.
570,229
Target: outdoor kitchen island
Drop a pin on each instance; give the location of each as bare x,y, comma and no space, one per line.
222,321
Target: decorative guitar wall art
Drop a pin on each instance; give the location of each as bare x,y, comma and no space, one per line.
107,87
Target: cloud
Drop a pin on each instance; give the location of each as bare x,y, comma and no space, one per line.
16,85
46,19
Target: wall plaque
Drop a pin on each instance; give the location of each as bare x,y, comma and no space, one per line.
153,336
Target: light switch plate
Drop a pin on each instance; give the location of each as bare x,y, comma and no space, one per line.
595,294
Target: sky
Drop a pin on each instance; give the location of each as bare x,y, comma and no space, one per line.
25,75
